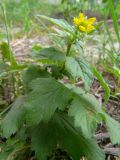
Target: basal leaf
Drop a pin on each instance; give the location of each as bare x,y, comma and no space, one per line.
75,143
83,117
43,140
66,136
13,120
46,96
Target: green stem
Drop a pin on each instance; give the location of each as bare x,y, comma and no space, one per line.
67,53
70,43
68,49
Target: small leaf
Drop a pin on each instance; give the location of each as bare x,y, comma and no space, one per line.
61,33
79,69
98,25
51,54
36,48
33,72
59,22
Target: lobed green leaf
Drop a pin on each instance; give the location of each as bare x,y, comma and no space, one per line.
66,136
13,120
46,96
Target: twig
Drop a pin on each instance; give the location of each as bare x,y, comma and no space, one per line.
102,136
17,150
111,151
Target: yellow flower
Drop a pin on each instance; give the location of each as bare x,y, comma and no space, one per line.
84,24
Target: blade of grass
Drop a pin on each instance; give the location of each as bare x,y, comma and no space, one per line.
12,58
114,18
103,83
111,42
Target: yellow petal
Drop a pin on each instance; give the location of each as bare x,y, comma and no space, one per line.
91,20
81,17
90,28
76,21
82,28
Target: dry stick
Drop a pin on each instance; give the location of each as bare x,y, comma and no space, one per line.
17,150
108,150
102,136
109,145
111,151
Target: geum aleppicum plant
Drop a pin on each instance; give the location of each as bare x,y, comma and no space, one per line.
53,114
